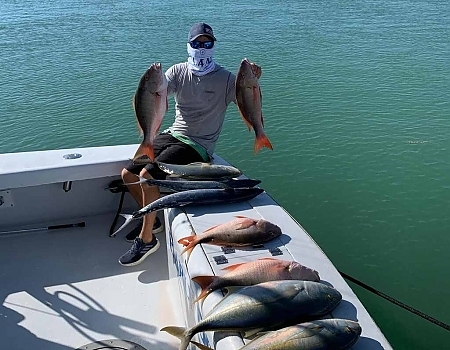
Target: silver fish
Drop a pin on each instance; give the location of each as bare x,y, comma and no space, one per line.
329,334
264,306
184,185
200,170
195,197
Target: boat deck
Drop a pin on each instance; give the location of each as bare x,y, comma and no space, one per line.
62,289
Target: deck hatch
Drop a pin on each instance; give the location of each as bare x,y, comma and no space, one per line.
112,344
275,251
220,259
228,250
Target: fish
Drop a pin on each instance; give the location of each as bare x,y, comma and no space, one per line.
254,272
327,334
264,307
184,185
150,105
195,197
239,232
200,170
248,101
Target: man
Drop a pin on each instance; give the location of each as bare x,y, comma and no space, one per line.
202,90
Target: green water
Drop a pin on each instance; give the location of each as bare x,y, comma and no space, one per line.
356,103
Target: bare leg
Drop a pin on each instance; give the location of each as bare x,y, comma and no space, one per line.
135,190
143,194
148,195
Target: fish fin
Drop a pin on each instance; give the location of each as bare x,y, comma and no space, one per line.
128,219
211,228
246,223
157,129
141,181
145,150
249,125
200,346
133,103
232,267
204,282
181,333
256,95
188,250
198,163
262,141
256,69
241,216
252,332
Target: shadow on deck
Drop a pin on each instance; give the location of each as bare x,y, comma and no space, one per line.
62,289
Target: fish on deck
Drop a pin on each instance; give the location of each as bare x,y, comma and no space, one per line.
195,197
263,307
254,272
239,232
328,334
179,185
200,170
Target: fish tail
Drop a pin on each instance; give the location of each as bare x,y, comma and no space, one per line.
186,241
189,243
145,149
204,282
128,219
201,346
181,333
262,141
188,250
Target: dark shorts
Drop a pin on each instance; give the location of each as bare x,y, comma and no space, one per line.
170,150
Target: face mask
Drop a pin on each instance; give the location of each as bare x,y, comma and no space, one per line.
200,60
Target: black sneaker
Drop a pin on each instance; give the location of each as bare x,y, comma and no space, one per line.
138,252
131,236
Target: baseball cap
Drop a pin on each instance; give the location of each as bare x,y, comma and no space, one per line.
200,29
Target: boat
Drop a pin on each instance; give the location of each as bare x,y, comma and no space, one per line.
63,288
